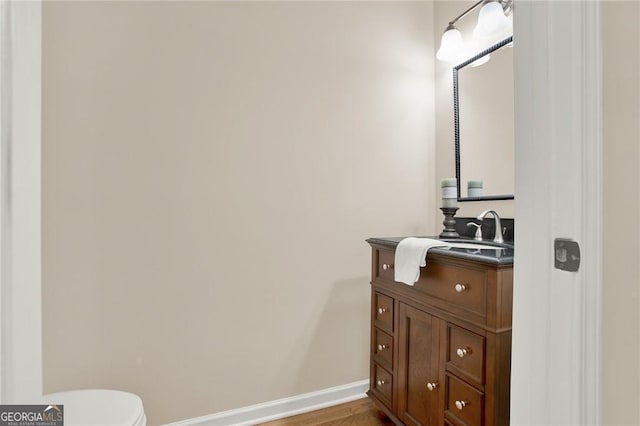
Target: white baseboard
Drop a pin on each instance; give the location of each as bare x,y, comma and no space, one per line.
280,408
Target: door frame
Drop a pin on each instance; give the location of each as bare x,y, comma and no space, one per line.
556,358
20,209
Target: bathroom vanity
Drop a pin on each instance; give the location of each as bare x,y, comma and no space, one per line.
441,349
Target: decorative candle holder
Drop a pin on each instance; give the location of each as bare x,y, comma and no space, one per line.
449,223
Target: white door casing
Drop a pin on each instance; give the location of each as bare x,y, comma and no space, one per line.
20,304
556,323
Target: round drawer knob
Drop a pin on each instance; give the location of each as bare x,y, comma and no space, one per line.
461,404
382,310
460,288
386,266
432,386
382,347
462,352
381,382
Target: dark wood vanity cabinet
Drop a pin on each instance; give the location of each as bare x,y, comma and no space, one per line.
441,349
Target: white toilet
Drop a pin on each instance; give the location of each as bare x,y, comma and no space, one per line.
99,407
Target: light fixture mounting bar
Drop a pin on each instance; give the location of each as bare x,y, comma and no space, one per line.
465,13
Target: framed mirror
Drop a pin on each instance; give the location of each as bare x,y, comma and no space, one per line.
484,124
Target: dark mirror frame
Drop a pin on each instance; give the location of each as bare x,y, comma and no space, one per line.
456,117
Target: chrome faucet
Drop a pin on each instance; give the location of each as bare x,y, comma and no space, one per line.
498,237
478,236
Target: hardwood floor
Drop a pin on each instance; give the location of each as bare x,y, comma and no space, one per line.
361,412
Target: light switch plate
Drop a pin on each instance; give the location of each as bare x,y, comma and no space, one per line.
567,254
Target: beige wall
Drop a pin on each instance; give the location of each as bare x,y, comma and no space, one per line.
444,11
210,173
621,110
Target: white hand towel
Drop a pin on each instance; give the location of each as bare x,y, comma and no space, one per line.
411,254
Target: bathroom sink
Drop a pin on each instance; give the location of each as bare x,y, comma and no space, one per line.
476,245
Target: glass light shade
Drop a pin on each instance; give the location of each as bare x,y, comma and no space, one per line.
452,48
491,20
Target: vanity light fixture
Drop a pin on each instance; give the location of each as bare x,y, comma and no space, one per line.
492,22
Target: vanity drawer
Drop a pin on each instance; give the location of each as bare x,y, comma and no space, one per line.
383,349
385,264
382,384
464,403
463,289
466,354
383,312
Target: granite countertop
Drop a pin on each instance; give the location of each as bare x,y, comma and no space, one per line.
495,257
